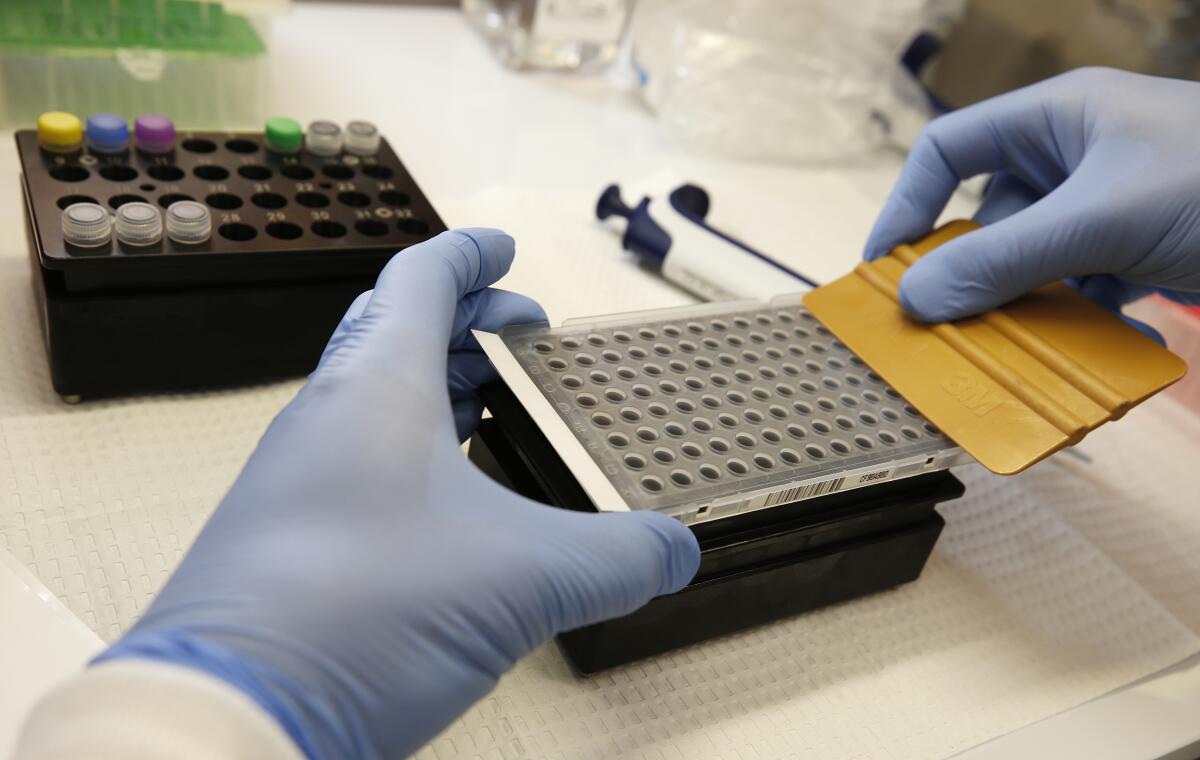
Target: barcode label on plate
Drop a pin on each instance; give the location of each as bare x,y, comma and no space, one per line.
810,490
802,492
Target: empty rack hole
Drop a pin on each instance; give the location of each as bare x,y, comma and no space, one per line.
796,431
119,173
629,414
602,377
296,171
770,435
634,461
840,447
614,395
764,462
814,451
312,200
864,442
618,440
572,382
166,200
888,437
354,200
268,200
237,231
372,227
327,228
71,200
211,172
199,145
675,430
223,201
602,419
652,484
413,226
284,230
166,173
120,200
691,450
255,172
394,198
69,173
789,456
377,171
719,445
737,467
147,187
337,171
241,145
708,472
821,426
663,455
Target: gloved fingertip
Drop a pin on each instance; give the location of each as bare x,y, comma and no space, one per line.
680,552
496,252
924,298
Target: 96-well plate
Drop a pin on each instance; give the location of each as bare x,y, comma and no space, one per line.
706,411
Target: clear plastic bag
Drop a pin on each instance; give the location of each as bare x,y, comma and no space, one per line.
799,80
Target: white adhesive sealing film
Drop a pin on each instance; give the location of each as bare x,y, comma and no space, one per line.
188,222
362,138
324,138
138,224
86,225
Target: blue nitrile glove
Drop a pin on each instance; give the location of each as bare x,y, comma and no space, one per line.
1097,177
362,580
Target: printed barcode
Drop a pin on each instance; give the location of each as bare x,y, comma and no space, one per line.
803,492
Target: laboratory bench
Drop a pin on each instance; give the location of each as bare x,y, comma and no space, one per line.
1057,617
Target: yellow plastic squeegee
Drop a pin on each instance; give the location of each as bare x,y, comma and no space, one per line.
1010,386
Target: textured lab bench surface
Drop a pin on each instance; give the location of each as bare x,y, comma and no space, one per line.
1012,385
707,411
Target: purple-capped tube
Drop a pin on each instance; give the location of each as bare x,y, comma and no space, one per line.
154,133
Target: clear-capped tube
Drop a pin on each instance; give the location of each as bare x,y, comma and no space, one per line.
188,222
138,224
86,225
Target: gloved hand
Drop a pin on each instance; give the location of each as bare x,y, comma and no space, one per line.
362,581
1097,177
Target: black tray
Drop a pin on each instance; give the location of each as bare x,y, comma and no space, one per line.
274,217
754,568
295,239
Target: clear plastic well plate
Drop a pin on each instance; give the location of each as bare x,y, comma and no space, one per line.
706,411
